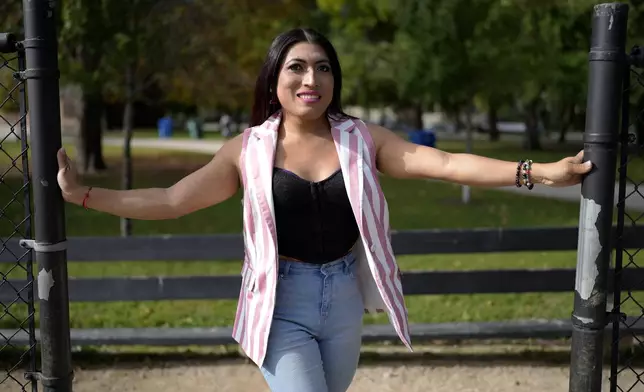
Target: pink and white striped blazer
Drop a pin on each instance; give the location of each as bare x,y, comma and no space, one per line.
378,273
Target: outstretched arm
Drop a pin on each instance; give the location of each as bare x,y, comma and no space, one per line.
215,182
402,159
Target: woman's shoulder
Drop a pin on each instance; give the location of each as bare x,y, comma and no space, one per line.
362,123
379,134
231,149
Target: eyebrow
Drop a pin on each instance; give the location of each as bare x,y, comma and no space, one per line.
299,60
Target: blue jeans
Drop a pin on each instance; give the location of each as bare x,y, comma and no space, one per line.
316,333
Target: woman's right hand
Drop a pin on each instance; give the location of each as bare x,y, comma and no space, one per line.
67,177
213,183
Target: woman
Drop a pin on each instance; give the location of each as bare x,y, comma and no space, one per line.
316,224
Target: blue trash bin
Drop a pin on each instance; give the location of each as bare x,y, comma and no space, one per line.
423,137
164,126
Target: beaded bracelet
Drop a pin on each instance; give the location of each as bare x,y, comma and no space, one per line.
518,177
523,176
527,174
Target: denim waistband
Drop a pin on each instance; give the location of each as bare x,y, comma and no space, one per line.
340,265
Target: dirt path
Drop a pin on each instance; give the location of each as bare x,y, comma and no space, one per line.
490,367
235,376
416,378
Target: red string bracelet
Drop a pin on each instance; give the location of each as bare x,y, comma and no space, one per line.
86,197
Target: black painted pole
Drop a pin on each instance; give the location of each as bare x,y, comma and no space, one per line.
606,71
50,246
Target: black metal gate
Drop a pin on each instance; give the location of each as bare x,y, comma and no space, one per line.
627,372
17,315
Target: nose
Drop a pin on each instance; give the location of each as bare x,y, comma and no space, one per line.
310,78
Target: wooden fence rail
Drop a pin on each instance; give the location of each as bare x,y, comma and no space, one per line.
230,247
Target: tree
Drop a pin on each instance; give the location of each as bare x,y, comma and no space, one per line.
141,49
363,32
192,49
549,57
11,22
494,58
434,44
635,37
83,34
229,42
567,94
11,11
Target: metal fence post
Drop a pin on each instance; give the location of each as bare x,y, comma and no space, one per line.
589,318
42,74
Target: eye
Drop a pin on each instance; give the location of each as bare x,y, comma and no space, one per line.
295,67
324,68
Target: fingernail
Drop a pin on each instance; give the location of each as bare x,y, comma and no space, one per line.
589,163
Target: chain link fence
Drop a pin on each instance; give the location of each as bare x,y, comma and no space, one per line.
627,373
17,315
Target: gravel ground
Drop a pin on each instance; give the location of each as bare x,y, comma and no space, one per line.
246,378
237,376
440,368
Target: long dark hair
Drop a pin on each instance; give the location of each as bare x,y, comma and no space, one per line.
267,78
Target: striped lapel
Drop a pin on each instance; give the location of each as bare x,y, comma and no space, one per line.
349,147
265,141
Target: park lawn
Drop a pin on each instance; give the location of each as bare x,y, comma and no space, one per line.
509,149
413,204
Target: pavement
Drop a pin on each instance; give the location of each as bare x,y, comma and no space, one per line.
191,145
573,193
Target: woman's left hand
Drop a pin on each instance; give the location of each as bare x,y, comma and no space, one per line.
568,171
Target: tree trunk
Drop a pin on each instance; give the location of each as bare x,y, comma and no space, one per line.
531,140
492,120
562,134
465,189
458,123
566,121
128,128
90,136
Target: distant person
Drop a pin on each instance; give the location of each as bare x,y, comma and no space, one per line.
316,223
225,124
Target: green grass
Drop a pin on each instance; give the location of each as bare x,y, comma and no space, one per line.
510,150
413,205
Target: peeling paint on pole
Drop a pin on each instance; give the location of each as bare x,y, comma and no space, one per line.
607,9
45,283
588,248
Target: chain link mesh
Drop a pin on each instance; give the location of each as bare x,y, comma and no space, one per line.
16,302
627,373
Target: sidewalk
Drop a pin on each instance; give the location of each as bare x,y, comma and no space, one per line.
200,146
573,193
634,203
